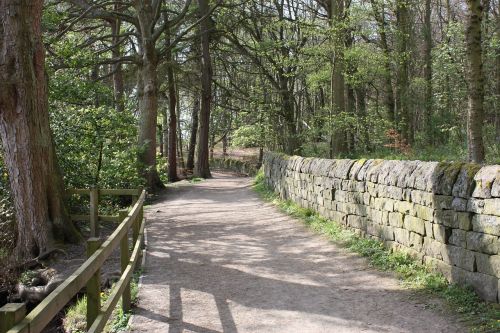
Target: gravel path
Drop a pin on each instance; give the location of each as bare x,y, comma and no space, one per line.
221,260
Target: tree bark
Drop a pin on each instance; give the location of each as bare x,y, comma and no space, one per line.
202,168
118,85
382,30
29,153
475,76
428,72
172,104
148,97
194,130
403,80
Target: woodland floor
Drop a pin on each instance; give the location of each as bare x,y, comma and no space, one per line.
221,260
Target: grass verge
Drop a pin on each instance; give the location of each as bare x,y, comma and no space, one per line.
482,316
75,318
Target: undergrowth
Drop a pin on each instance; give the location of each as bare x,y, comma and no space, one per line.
75,318
482,316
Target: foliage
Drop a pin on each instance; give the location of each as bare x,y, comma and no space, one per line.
96,146
414,275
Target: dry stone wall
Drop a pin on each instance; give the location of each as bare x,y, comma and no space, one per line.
444,214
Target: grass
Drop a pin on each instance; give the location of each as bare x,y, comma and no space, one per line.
483,316
195,180
75,318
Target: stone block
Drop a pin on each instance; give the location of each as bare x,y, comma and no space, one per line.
486,286
492,206
458,238
456,220
356,221
387,233
488,264
442,201
475,205
423,212
484,243
414,224
459,257
429,232
402,236
416,241
484,179
464,183
374,230
396,219
487,224
439,266
441,233
383,204
433,248
404,207
459,204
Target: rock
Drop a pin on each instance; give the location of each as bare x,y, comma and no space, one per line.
484,243
414,224
487,224
484,180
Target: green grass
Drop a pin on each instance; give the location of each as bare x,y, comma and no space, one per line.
75,318
195,180
483,317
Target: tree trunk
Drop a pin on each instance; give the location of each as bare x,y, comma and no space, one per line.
382,30
475,76
172,103
118,86
148,98
403,81
338,137
202,168
194,130
29,154
428,72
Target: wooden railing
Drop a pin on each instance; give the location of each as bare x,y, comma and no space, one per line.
13,318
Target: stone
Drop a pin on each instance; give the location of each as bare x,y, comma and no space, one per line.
414,224
423,212
456,220
433,248
416,241
460,257
475,205
491,207
404,207
396,219
485,285
442,201
402,236
488,264
429,232
458,238
484,180
356,221
441,233
484,243
487,224
459,204
465,181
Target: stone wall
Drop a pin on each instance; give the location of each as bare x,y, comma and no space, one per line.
243,167
443,214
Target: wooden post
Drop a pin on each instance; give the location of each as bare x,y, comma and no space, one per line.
10,315
93,285
136,225
94,212
124,260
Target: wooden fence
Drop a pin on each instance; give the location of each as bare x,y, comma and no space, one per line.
13,318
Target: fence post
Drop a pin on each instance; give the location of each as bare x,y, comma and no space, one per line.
124,260
10,315
93,288
94,212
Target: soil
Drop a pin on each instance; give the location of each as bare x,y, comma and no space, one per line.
221,260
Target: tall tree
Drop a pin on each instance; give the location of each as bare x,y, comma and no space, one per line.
202,167
427,32
29,154
475,114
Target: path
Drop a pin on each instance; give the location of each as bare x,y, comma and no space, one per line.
221,260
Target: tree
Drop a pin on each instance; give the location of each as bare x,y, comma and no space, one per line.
29,153
475,114
202,167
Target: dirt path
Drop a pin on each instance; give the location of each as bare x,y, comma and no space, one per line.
221,260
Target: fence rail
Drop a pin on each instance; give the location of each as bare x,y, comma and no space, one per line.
13,318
